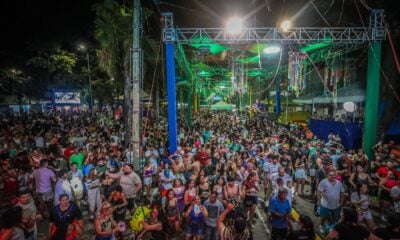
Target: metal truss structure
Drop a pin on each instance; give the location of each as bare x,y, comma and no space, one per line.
373,35
338,35
267,73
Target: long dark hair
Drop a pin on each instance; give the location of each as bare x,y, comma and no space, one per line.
349,216
358,188
308,226
11,217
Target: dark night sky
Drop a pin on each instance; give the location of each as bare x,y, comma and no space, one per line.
27,23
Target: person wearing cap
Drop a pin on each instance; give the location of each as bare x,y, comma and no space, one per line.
281,210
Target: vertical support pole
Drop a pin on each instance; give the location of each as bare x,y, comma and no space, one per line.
278,97
195,102
136,80
189,109
372,98
172,130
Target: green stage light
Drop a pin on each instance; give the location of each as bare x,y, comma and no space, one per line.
254,73
204,42
205,74
316,46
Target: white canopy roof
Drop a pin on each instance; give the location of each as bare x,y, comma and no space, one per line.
345,94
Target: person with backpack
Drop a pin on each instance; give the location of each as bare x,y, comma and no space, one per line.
141,214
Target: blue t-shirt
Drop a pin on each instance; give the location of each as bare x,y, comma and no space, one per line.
87,168
282,207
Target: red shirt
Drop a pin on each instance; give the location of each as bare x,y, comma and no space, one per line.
383,171
69,151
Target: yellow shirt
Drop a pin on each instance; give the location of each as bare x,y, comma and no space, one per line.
140,215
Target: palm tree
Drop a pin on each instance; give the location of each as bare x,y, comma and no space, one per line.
113,31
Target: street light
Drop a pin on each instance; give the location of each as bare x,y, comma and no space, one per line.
234,25
82,48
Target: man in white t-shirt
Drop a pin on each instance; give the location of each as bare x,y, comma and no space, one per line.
273,166
395,194
280,174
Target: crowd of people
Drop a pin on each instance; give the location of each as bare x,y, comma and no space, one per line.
58,168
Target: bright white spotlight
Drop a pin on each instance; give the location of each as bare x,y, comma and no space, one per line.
234,25
272,49
285,25
349,107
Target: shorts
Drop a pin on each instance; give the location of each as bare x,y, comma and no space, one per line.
300,174
364,215
250,200
147,181
326,212
195,229
131,203
277,233
46,196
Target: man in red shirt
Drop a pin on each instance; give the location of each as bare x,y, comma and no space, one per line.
383,170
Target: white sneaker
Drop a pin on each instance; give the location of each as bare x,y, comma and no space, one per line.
383,218
322,229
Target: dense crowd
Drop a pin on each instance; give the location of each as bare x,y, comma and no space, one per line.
62,167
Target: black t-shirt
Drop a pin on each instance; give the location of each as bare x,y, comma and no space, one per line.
387,234
62,219
321,174
347,232
299,235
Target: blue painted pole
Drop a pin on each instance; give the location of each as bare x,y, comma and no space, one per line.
278,97
172,128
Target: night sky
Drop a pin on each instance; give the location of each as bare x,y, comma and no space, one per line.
26,24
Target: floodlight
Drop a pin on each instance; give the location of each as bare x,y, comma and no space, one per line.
349,107
234,25
272,49
285,25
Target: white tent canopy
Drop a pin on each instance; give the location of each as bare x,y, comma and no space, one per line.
221,105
